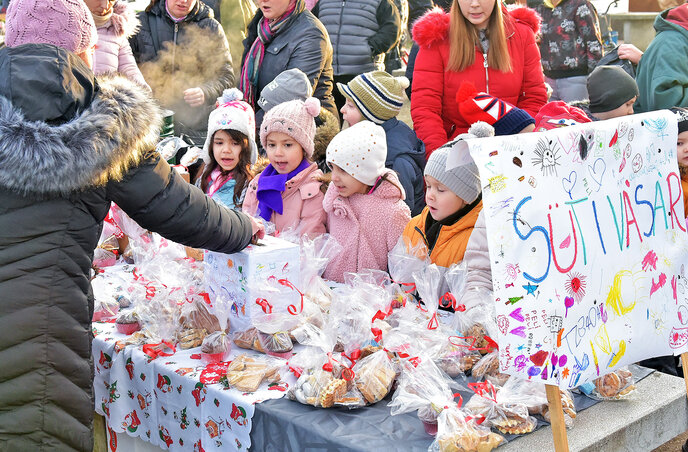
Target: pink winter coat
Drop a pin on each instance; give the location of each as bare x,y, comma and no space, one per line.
367,226
113,52
302,203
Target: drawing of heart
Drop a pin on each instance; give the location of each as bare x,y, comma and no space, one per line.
597,170
569,182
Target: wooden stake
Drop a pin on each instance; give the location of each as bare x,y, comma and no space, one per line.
684,365
556,413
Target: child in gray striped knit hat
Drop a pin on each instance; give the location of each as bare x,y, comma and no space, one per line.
378,97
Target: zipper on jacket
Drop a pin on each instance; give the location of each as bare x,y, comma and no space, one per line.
174,47
339,34
487,75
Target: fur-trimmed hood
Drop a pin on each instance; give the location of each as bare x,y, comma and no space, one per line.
100,143
433,27
124,20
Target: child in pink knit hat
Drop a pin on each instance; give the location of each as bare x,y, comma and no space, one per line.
364,202
287,192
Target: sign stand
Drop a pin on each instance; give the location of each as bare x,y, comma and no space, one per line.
684,366
556,412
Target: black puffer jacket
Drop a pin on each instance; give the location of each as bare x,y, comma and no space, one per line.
57,180
174,57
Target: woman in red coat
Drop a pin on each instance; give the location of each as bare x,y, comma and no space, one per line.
477,41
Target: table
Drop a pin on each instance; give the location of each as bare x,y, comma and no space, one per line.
173,402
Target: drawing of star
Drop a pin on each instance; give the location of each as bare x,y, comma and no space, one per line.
530,289
565,372
538,346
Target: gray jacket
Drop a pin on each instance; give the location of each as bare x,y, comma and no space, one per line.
362,31
303,44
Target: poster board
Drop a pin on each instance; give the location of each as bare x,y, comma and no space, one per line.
588,246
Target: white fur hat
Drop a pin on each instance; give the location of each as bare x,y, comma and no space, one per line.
232,114
360,150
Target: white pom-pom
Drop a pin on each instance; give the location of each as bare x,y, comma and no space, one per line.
403,81
481,129
312,105
230,95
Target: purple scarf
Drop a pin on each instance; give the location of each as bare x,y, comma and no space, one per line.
271,184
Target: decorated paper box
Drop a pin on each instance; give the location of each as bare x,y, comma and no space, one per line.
241,278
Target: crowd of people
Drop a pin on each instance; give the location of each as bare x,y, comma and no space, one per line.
274,146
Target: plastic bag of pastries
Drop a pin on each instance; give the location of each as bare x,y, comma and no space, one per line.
454,356
246,373
455,433
374,376
612,386
216,347
488,368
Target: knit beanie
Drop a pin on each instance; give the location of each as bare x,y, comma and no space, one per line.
294,118
64,23
504,117
558,114
360,150
682,117
378,95
288,85
609,87
462,180
232,114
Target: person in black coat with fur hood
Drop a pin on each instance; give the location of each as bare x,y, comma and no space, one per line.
65,158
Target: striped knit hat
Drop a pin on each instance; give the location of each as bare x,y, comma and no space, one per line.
504,117
378,95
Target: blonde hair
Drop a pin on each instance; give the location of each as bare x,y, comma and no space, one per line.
463,37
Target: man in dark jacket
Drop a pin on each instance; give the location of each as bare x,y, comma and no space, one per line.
65,159
361,31
184,56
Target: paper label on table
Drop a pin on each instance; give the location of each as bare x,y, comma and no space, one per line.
588,246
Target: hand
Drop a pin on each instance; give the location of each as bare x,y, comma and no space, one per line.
630,52
257,229
194,97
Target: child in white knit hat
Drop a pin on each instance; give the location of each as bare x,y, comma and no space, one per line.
229,150
287,192
364,202
378,97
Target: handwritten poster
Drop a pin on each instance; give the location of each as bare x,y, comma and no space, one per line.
588,246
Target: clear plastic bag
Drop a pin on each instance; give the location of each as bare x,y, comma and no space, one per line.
477,322
246,373
404,260
457,434
428,283
216,347
455,277
454,356
488,368
105,308
615,385
374,376
507,417
105,255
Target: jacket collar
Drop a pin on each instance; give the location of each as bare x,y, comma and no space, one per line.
99,144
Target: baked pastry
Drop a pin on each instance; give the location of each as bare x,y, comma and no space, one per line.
615,385
246,374
191,338
127,322
245,339
478,332
199,318
374,376
279,342
488,365
515,425
335,389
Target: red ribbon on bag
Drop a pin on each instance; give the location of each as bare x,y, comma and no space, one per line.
491,344
153,352
484,389
347,373
265,304
433,323
449,300
379,315
291,308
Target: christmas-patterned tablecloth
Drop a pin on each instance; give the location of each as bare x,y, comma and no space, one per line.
174,402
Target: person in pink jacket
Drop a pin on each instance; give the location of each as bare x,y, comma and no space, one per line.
115,22
287,192
365,204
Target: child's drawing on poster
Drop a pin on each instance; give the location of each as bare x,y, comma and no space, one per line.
593,273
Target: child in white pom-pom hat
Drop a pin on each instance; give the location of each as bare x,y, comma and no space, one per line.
364,202
287,192
378,97
229,150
